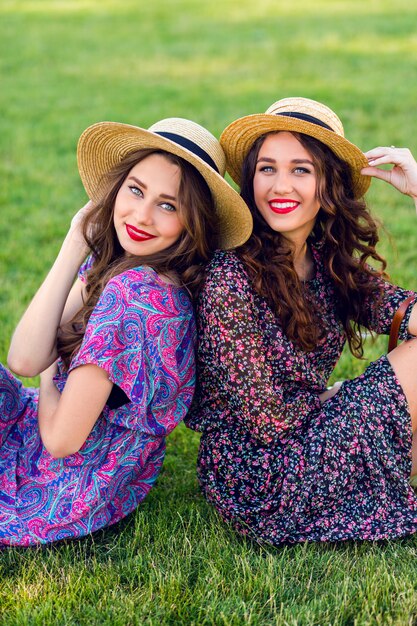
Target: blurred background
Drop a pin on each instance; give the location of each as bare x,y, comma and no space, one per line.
66,64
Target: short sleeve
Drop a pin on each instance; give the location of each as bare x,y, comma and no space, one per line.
114,340
142,334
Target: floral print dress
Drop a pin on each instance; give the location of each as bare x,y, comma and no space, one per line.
142,333
274,461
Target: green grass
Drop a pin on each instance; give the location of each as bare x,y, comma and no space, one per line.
68,63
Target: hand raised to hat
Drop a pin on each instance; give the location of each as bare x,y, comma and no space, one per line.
75,230
403,176
33,347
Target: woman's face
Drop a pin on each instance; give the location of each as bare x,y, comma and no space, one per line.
285,185
145,213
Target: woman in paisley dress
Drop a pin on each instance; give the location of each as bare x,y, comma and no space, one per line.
114,347
283,458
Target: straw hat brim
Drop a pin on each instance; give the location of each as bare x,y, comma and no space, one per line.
105,144
237,139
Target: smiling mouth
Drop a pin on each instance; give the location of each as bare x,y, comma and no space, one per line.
283,206
138,235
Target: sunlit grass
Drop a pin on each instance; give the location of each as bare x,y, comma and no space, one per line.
67,64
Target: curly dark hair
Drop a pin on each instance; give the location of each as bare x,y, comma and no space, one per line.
186,258
347,235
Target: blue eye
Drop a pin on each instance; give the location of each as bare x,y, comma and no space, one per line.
266,168
302,170
168,207
135,190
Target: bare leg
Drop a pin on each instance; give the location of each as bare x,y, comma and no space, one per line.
404,363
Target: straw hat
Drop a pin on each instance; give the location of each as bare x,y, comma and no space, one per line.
300,115
105,144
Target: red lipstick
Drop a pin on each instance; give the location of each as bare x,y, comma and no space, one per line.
283,205
138,235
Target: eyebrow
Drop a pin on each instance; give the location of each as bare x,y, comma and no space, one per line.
296,161
162,195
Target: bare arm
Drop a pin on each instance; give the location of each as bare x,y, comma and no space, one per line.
110,354
66,420
74,301
33,345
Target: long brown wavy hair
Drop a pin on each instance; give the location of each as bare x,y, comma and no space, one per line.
346,234
186,258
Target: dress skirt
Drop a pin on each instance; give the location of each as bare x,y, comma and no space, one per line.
343,474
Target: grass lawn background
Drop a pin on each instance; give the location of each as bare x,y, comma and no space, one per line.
66,64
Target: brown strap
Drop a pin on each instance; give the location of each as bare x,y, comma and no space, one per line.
396,322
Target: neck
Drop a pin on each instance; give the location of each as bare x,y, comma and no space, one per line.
300,252
303,263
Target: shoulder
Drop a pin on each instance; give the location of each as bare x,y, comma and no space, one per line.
142,280
142,288
226,268
138,279
226,277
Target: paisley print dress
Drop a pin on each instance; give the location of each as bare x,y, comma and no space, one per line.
274,461
142,334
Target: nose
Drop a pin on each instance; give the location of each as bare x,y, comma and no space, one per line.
144,212
282,183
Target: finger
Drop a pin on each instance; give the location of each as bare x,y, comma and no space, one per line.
383,155
375,172
383,160
399,156
377,152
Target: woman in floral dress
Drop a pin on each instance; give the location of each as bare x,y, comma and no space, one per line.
282,457
115,348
